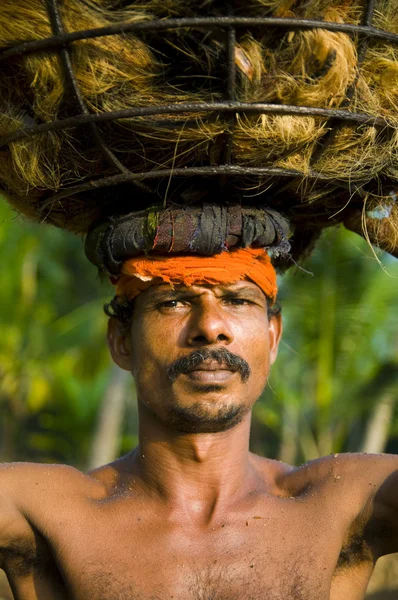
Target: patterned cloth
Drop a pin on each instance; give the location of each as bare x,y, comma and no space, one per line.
205,230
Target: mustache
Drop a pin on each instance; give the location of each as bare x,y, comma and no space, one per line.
224,357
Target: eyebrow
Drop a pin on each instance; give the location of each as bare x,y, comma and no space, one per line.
187,292
243,291
161,295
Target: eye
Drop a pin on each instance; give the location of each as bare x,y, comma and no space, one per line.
170,304
239,301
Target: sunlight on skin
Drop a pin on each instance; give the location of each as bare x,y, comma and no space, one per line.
172,323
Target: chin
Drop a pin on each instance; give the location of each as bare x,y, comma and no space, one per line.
201,417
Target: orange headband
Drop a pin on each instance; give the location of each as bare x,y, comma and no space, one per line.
253,264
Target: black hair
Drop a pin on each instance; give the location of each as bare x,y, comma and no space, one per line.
120,308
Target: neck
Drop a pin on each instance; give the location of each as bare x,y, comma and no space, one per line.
198,474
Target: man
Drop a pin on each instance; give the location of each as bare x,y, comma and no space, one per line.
191,514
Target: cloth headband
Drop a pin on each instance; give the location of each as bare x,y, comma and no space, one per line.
253,264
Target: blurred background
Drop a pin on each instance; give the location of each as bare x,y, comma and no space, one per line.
334,387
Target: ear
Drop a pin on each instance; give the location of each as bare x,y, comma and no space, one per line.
118,338
275,328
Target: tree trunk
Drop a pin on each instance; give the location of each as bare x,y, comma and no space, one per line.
290,433
105,444
378,427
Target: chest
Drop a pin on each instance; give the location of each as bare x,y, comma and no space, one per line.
205,584
247,577
254,558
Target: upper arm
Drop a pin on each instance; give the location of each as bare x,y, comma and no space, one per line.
14,527
382,522
32,497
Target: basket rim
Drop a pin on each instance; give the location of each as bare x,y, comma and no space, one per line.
62,40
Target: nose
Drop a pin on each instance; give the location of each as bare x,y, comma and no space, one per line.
208,325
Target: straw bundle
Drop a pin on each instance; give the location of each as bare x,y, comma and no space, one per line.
337,168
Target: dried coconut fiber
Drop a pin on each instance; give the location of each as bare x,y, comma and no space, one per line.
108,107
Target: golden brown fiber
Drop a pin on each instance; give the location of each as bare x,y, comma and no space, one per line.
315,67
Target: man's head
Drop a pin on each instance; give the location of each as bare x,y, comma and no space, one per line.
203,332
200,354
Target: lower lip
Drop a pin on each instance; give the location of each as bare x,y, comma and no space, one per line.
210,376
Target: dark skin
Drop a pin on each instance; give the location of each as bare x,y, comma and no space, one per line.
191,513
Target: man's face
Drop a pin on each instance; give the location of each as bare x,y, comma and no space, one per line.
200,355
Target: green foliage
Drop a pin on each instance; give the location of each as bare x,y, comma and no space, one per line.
341,324
339,353
53,360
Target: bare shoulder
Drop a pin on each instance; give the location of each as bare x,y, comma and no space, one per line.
365,470
22,479
29,491
362,488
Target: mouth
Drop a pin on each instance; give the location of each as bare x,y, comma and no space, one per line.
210,372
209,365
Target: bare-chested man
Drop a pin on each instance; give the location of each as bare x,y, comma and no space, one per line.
191,514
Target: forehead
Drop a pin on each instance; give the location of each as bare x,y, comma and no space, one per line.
159,290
